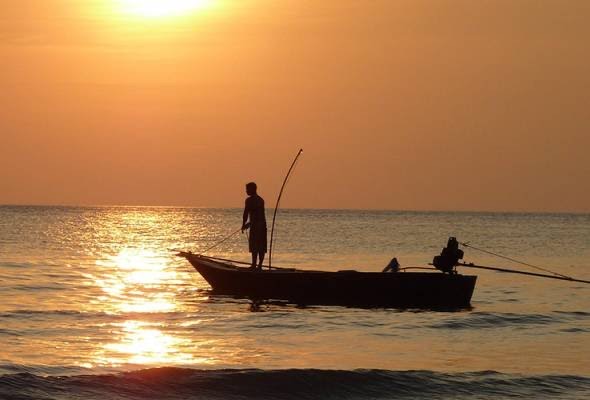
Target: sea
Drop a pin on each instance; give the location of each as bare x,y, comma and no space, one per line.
95,304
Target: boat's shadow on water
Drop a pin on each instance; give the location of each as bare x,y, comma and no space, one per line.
266,305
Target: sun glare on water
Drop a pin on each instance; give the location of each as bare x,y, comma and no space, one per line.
162,8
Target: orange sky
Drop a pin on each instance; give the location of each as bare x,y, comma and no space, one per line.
399,104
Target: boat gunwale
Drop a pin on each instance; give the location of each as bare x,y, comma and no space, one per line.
227,265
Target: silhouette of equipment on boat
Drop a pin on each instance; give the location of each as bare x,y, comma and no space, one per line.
449,257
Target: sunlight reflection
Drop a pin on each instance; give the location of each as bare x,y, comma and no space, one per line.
133,279
143,266
135,282
162,304
141,343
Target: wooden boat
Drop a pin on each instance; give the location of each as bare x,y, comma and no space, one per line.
446,289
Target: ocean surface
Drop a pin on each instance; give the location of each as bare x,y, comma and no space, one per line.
94,304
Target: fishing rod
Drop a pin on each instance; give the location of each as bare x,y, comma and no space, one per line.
210,247
514,271
220,241
272,230
450,256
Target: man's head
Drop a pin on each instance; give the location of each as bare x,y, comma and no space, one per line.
251,188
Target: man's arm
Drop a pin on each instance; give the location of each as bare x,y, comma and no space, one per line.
245,216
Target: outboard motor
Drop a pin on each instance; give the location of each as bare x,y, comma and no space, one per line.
449,256
393,266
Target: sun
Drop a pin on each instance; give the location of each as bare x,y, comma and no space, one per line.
162,8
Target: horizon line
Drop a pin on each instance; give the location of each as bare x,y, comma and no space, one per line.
302,208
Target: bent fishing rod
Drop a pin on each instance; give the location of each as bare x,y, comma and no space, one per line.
274,216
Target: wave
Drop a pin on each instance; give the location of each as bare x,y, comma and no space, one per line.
180,383
481,320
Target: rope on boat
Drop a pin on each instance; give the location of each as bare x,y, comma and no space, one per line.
517,261
513,271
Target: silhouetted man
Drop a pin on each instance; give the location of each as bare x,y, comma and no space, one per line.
255,219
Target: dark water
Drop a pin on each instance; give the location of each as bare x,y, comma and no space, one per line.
93,304
175,383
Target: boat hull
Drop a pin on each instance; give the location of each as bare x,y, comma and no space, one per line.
348,288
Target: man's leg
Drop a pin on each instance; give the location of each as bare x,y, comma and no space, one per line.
254,254
260,259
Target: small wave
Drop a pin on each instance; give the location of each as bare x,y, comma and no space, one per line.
45,313
179,383
575,330
496,320
574,314
89,315
37,288
9,332
41,370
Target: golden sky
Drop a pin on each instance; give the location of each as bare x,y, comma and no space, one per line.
399,104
